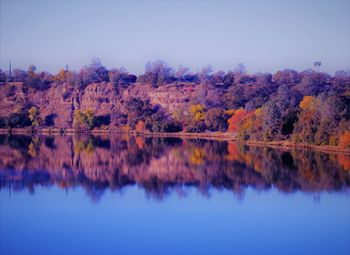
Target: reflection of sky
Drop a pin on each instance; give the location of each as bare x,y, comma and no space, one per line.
51,221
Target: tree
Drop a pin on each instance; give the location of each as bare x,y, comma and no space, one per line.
312,83
161,121
344,140
240,69
204,75
157,73
308,103
120,77
137,109
197,117
90,117
16,120
279,114
19,75
286,76
306,127
251,127
198,112
140,126
2,76
83,121
61,75
34,116
65,75
32,79
216,119
181,73
95,72
321,118
79,121
272,117
236,120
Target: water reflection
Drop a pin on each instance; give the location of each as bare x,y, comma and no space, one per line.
163,165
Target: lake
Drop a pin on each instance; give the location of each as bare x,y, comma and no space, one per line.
123,194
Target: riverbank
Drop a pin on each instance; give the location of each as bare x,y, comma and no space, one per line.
231,137
221,136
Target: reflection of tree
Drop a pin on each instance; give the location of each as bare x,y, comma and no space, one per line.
83,144
33,148
197,156
344,161
163,165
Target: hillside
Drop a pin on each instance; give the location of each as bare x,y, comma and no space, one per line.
304,107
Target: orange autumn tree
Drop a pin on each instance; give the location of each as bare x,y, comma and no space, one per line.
140,142
344,161
308,103
236,120
140,126
250,124
344,140
308,121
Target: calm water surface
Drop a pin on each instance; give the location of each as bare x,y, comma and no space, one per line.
135,195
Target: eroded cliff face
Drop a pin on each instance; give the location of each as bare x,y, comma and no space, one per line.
171,97
102,98
12,98
57,103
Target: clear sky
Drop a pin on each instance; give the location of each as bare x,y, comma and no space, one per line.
264,35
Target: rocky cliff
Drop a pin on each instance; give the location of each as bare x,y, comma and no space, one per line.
57,103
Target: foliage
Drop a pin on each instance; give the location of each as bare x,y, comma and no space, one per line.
320,119
304,107
198,112
15,120
120,77
140,126
308,103
34,116
3,76
157,73
344,140
137,109
83,121
216,119
90,116
197,117
236,120
95,72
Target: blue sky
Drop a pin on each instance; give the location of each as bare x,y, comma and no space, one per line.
264,35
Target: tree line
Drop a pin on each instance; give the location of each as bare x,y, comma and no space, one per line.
305,107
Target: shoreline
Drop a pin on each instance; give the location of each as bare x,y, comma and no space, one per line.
218,136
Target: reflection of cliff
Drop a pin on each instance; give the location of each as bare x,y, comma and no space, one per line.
161,164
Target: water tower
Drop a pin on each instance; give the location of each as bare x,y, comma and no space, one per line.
317,65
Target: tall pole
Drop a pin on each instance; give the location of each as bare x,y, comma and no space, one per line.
10,69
